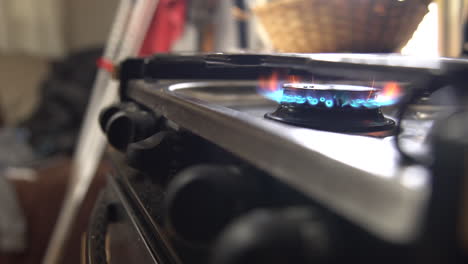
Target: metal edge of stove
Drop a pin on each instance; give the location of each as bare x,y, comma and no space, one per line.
386,208
386,67
132,216
161,249
395,60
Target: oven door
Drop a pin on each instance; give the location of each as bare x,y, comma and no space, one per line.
115,233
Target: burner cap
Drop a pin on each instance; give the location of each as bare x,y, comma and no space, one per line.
340,108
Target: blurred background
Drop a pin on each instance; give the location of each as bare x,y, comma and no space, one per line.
48,62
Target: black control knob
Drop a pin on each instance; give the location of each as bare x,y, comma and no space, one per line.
201,201
294,235
157,153
126,123
447,160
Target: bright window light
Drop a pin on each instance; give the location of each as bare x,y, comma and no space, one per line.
425,39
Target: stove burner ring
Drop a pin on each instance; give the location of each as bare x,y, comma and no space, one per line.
339,108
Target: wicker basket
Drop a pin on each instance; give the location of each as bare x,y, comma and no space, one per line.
341,25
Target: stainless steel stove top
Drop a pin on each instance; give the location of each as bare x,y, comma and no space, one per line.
358,175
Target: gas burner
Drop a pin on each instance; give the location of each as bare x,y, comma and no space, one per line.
332,107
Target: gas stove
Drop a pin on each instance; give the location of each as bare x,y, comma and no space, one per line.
285,158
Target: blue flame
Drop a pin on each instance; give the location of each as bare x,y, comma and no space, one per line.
300,99
312,100
273,95
379,101
336,99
